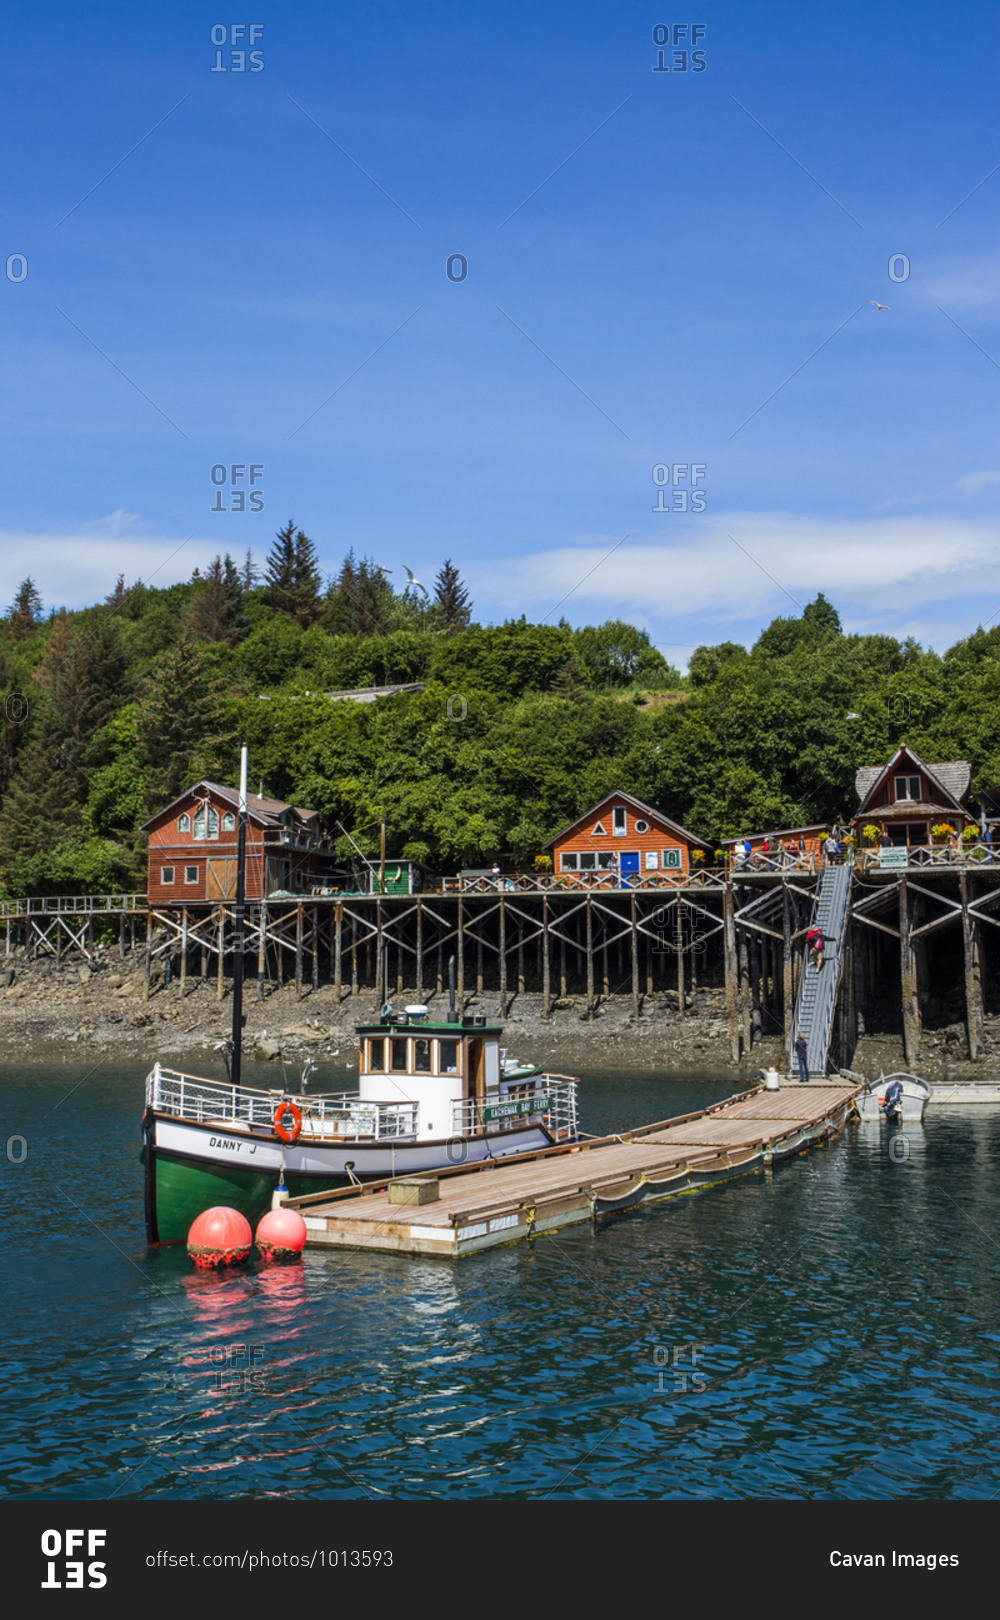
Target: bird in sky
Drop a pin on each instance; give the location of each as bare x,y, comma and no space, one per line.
410,580
879,306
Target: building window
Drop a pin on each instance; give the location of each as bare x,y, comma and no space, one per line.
907,787
600,831
606,860
671,857
642,826
587,862
376,1056
190,874
569,863
300,878
228,821
651,860
166,874
206,822
619,820
184,823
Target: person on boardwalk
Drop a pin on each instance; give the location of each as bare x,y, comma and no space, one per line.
802,1053
815,942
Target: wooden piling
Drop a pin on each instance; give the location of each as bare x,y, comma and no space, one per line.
908,979
546,962
972,974
731,968
634,941
184,950
338,949
219,984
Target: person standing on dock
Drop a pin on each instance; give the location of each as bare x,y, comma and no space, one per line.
802,1053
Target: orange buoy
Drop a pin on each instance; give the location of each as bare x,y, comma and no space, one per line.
220,1237
287,1106
281,1234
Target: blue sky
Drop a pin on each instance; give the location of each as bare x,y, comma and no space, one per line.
635,313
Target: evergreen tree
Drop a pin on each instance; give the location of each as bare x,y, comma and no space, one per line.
85,678
360,600
292,576
216,611
571,682
178,732
25,611
451,599
249,573
42,804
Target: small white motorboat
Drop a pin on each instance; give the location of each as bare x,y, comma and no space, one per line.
894,1097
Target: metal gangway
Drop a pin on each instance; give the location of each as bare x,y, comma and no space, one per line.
816,1002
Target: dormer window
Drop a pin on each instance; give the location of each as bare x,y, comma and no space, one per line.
619,820
184,823
228,821
907,787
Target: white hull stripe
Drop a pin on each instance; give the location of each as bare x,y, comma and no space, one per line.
368,1158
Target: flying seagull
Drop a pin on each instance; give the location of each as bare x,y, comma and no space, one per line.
414,582
878,305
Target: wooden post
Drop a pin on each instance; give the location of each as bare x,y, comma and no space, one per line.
315,950
679,945
439,976
460,953
298,951
381,977
59,934
787,995
149,950
635,955
590,958
121,937
338,948
420,952
605,980
756,988
503,961
562,967
184,951
546,963
973,974
261,949
731,969
354,957
520,958
219,987
908,980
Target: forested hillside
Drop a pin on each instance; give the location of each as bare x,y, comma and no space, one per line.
110,711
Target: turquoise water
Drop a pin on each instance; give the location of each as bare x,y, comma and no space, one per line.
829,1331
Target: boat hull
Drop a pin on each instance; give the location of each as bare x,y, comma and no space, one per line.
192,1167
916,1094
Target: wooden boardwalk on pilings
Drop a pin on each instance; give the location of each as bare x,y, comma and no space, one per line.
481,1208
744,933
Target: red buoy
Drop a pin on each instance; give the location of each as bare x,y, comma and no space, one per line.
220,1237
281,1234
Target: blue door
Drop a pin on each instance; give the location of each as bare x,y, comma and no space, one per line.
628,866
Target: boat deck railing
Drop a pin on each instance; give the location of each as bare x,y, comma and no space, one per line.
330,1115
548,1100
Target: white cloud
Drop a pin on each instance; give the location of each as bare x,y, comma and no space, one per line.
930,577
75,570
972,483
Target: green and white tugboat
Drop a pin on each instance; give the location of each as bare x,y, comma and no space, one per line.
430,1094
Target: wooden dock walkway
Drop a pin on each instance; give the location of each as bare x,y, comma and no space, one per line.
481,1208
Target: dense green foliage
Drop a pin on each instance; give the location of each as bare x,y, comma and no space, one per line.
111,711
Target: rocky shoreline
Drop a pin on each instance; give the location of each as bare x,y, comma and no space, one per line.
50,1012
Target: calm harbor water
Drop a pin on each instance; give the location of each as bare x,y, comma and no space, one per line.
829,1330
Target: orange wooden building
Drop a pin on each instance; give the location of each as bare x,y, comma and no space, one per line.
906,798
621,839
192,847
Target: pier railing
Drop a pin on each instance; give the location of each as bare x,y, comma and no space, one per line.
77,904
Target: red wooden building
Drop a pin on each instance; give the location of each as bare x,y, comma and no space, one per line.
192,847
624,839
906,798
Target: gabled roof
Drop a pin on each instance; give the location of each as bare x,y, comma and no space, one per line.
261,810
643,809
953,777
782,832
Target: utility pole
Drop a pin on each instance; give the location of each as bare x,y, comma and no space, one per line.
381,874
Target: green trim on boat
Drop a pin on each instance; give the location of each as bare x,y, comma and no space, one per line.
183,1190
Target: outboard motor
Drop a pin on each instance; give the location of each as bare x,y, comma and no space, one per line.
893,1101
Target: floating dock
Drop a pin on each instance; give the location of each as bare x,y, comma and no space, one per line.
468,1208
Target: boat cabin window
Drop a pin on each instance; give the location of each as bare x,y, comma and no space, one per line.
399,1045
422,1057
448,1057
376,1055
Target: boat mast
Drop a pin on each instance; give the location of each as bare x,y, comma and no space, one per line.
241,863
